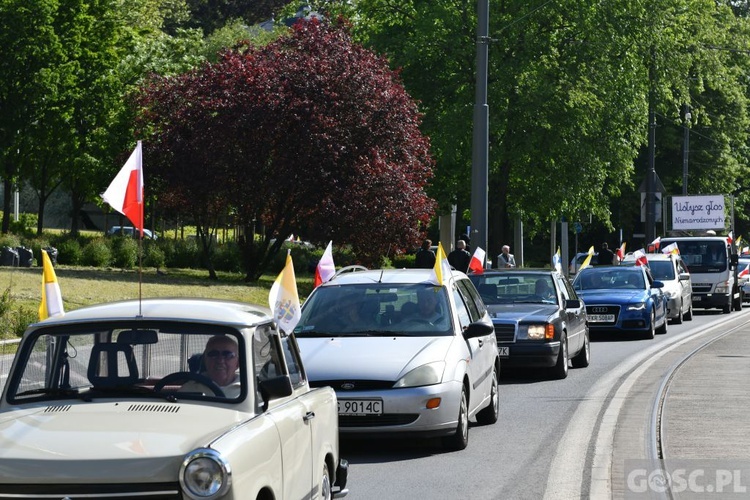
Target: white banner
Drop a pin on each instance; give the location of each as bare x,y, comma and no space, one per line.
698,212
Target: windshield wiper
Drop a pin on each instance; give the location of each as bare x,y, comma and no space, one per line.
50,391
129,390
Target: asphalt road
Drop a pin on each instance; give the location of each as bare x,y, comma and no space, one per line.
566,439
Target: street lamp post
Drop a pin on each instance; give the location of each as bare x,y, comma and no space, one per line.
480,149
685,148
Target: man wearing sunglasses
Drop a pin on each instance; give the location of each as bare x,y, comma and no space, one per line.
221,360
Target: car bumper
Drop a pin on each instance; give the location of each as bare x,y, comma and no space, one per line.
711,300
536,354
405,411
673,308
626,321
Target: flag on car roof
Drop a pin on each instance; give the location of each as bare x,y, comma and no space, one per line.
587,261
621,251
52,304
557,261
656,243
672,248
745,271
476,265
325,268
125,192
442,267
730,238
640,258
283,298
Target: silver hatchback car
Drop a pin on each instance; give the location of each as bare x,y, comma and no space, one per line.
403,355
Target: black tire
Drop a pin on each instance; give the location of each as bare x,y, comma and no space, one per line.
459,440
680,314
560,370
689,313
738,303
489,414
651,333
325,484
727,308
583,358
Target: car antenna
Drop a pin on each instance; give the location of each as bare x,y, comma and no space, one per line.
380,280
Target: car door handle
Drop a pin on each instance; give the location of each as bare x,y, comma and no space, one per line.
481,342
309,416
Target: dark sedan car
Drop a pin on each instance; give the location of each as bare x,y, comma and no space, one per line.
623,298
539,320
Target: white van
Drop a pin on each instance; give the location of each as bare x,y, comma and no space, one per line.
712,263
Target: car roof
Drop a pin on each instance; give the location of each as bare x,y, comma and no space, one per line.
523,270
210,311
400,276
653,256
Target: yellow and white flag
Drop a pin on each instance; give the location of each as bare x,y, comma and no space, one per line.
586,263
442,267
52,304
284,299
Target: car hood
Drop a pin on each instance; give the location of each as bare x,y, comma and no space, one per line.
109,442
612,295
369,358
521,312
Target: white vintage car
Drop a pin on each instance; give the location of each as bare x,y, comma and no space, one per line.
167,399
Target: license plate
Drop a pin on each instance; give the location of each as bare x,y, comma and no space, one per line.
696,298
360,407
601,318
504,352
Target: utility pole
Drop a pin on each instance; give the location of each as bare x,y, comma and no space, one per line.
650,229
685,149
481,137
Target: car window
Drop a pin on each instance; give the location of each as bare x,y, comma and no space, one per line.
662,270
472,299
292,361
370,309
464,319
565,289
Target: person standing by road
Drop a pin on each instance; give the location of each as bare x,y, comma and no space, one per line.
425,258
606,256
460,258
506,259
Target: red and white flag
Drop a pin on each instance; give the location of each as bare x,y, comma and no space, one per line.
125,193
656,243
730,238
621,251
325,269
476,265
672,248
745,271
640,258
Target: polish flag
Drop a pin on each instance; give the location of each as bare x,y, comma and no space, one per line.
621,251
640,258
325,269
125,193
730,238
745,271
656,243
477,261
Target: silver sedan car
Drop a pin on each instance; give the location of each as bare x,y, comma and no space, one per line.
403,354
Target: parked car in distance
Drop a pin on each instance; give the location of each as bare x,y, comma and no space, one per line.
404,355
575,262
166,398
624,298
670,270
743,265
539,320
130,231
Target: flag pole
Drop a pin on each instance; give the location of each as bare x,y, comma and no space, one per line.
140,275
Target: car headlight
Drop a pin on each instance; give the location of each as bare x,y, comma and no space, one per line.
429,374
722,287
205,474
636,307
537,332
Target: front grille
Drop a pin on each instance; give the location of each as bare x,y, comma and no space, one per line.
701,287
384,420
505,332
156,491
353,385
603,309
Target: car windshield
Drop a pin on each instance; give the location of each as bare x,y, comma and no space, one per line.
91,362
614,278
515,288
376,309
704,256
662,270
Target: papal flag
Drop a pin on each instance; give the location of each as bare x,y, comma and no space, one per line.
442,267
557,261
587,262
283,298
52,304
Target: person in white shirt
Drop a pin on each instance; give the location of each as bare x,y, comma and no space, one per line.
506,259
221,360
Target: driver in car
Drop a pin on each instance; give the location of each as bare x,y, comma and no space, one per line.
221,359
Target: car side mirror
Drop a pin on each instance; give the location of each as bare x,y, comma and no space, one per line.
684,276
572,304
657,284
478,329
275,388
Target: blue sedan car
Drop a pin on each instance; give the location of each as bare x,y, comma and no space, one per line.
622,298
